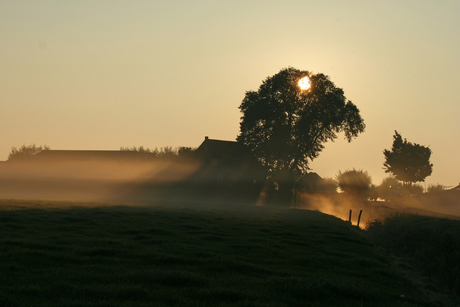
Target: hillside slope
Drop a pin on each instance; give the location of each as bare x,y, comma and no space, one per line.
77,254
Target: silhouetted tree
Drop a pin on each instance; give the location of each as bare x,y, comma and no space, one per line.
26,151
355,182
408,162
389,188
433,188
286,127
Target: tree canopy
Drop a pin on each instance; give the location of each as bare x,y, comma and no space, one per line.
355,182
286,127
408,162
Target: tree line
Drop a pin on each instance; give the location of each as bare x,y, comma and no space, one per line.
26,151
167,151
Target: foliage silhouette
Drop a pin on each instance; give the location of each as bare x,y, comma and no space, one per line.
26,151
286,127
434,188
355,182
408,162
414,189
330,184
389,188
167,151
140,149
186,151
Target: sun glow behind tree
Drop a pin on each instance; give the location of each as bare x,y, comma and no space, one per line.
304,83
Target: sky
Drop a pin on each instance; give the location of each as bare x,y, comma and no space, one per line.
100,75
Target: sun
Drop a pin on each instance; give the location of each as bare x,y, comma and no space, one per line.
304,83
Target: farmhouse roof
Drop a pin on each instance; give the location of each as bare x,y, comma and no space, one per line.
224,149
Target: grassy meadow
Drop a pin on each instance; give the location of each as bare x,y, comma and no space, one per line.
433,245
88,254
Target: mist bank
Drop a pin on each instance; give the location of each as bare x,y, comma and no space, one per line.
125,180
191,181
92,179
441,204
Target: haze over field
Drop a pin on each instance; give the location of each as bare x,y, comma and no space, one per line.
104,74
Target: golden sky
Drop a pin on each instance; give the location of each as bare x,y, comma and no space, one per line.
106,74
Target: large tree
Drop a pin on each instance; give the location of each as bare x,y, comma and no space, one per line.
286,127
408,162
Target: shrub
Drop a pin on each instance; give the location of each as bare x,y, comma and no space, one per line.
26,151
433,188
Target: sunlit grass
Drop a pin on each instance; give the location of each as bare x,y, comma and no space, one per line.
177,256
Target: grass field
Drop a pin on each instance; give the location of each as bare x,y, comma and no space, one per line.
433,245
86,254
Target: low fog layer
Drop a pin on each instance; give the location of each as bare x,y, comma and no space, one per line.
441,204
94,179
186,181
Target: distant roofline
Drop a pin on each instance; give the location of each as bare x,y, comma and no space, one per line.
206,138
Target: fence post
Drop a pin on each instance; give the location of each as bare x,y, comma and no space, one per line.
359,217
349,217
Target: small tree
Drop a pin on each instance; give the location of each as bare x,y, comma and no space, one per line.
355,182
26,151
389,188
408,162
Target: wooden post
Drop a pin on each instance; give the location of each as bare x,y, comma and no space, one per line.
359,217
349,217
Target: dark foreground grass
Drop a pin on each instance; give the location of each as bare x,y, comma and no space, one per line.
56,254
432,244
